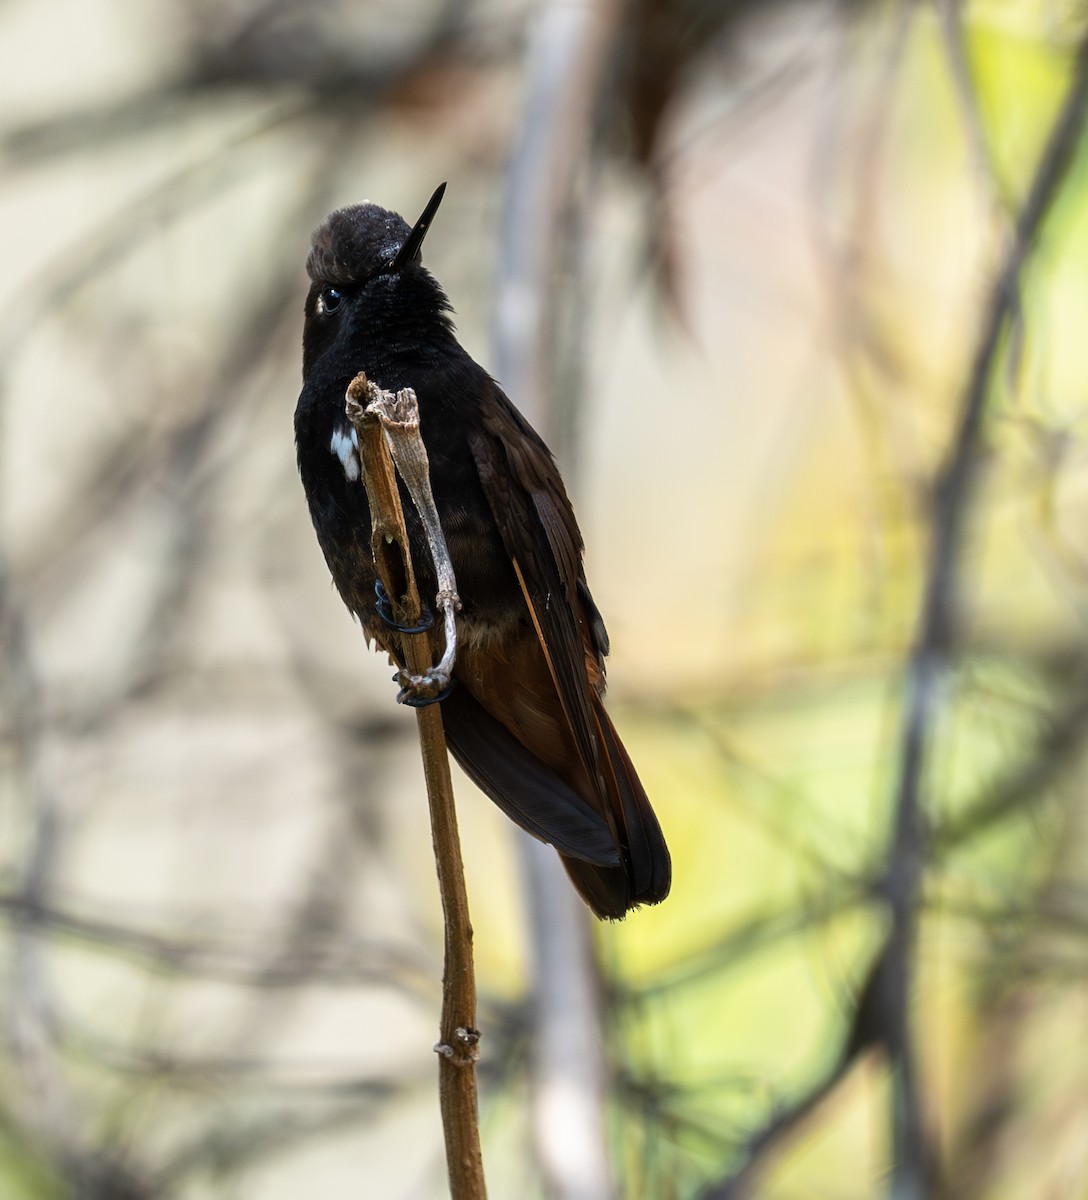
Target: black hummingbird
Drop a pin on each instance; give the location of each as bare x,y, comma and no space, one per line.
525,717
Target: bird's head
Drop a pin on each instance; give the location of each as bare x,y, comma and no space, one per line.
368,282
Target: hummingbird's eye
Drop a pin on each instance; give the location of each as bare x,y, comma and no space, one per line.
330,299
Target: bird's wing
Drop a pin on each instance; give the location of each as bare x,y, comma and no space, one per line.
541,536
540,533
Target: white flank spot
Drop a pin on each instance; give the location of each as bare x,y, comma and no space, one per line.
346,448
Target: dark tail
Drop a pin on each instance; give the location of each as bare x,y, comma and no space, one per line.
617,861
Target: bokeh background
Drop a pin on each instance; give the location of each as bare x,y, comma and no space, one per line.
737,259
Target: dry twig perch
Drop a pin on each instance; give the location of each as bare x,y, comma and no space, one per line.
388,430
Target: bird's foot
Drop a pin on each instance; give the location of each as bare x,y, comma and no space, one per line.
385,611
417,691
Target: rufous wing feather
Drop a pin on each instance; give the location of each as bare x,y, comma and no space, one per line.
551,704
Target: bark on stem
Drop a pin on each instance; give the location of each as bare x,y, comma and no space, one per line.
388,432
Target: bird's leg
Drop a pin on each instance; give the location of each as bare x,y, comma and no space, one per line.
384,609
399,416
406,695
436,684
388,432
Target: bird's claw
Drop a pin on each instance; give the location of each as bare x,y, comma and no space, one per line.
385,611
417,691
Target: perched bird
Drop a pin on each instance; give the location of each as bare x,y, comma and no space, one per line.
525,717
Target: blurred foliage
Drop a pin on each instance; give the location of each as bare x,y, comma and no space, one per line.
221,943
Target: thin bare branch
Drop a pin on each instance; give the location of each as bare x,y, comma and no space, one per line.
390,424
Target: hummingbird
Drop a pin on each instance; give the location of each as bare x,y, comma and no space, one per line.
525,714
